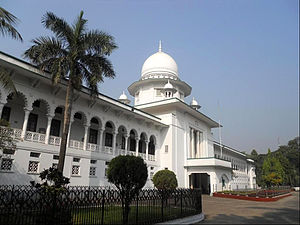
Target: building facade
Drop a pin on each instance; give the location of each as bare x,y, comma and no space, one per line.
160,127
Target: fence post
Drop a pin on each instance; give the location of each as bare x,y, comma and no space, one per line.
137,209
181,202
102,206
162,205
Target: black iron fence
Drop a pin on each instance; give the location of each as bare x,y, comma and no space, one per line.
93,205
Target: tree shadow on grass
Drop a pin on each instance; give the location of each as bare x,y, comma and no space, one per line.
280,216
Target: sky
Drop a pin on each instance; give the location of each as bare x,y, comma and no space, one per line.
240,56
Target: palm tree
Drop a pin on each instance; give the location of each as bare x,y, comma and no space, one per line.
75,55
7,23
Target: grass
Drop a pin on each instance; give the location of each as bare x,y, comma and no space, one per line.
113,215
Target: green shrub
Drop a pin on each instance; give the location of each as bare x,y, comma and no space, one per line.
165,180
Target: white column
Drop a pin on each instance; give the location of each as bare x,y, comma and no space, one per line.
85,139
100,133
1,108
114,142
193,144
126,143
69,133
48,129
136,146
27,112
146,150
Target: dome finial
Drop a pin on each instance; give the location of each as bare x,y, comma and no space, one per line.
159,47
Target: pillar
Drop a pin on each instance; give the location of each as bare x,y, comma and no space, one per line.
27,112
69,133
85,139
1,108
192,144
126,144
147,150
100,133
136,146
114,142
48,129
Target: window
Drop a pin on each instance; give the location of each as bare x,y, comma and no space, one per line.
76,159
78,116
75,170
55,128
32,122
33,167
9,151
6,113
123,143
108,139
166,148
93,161
106,163
92,171
59,110
37,103
6,164
56,157
35,154
105,172
93,136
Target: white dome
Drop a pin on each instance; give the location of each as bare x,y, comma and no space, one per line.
123,98
160,63
168,86
194,104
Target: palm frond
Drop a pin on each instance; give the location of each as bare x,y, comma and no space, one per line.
99,42
58,26
45,48
7,23
79,26
6,81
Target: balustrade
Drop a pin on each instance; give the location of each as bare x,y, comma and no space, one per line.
107,150
151,157
92,147
76,144
53,140
142,155
35,137
13,132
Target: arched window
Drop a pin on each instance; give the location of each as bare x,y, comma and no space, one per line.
151,145
132,141
108,134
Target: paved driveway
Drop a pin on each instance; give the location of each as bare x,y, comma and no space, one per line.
230,211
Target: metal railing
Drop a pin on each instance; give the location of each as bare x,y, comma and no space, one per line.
93,205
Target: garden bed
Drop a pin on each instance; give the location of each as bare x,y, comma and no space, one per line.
261,195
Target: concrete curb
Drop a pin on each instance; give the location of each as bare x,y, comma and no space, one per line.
186,220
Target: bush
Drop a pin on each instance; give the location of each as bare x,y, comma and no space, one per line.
129,174
165,180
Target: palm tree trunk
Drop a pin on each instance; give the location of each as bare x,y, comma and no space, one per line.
67,117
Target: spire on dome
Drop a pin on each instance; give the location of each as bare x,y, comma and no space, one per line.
159,47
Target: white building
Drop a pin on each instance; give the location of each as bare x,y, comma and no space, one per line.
161,128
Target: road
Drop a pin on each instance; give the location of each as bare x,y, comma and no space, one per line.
234,211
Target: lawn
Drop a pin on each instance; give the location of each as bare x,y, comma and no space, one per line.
113,215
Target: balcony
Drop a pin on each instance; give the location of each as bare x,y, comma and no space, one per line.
210,161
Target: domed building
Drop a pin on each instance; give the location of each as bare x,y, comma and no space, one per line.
159,127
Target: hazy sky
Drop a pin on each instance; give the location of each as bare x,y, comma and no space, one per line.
241,55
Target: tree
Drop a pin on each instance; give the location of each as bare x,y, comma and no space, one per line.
272,170
7,23
165,180
129,174
75,55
